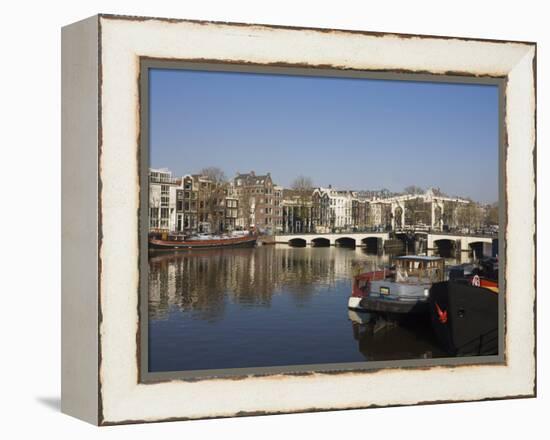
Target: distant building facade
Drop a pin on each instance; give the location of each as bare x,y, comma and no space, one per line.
333,209
380,216
359,212
196,203
190,204
259,202
297,211
278,207
162,199
231,205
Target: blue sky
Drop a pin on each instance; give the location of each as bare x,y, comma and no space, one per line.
351,133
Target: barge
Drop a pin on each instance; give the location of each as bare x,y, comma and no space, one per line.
464,311
401,289
175,242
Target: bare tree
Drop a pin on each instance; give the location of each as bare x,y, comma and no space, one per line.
413,189
303,184
215,196
470,215
438,192
385,192
450,212
491,215
215,174
246,206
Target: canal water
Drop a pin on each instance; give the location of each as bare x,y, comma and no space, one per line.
269,306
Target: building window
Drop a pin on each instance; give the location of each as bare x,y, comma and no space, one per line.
153,217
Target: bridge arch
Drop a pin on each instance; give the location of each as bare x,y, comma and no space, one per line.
297,242
345,242
372,244
445,247
477,249
408,241
320,242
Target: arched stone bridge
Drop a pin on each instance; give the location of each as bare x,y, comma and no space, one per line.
441,243
333,239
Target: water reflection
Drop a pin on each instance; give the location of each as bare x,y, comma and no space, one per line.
265,306
203,281
379,339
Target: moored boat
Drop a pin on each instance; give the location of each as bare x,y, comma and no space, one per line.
402,289
176,242
464,312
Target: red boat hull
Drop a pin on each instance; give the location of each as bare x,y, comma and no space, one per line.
174,245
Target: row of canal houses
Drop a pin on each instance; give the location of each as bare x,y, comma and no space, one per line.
199,203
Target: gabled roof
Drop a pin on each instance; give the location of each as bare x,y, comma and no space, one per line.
253,179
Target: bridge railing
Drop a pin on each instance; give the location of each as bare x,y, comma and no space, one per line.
396,231
338,231
452,232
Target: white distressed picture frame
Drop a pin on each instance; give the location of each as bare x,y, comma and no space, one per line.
101,196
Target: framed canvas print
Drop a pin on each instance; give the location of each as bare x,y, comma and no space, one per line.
262,219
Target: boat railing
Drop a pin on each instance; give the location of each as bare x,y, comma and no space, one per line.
374,275
418,276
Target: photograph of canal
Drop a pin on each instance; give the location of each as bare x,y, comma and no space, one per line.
303,219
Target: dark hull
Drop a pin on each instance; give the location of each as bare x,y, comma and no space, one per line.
464,318
170,245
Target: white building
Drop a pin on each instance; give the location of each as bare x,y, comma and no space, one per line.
378,213
335,208
341,202
162,199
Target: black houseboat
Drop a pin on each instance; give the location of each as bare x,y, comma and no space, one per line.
464,311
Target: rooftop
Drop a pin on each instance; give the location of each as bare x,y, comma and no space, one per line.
252,179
